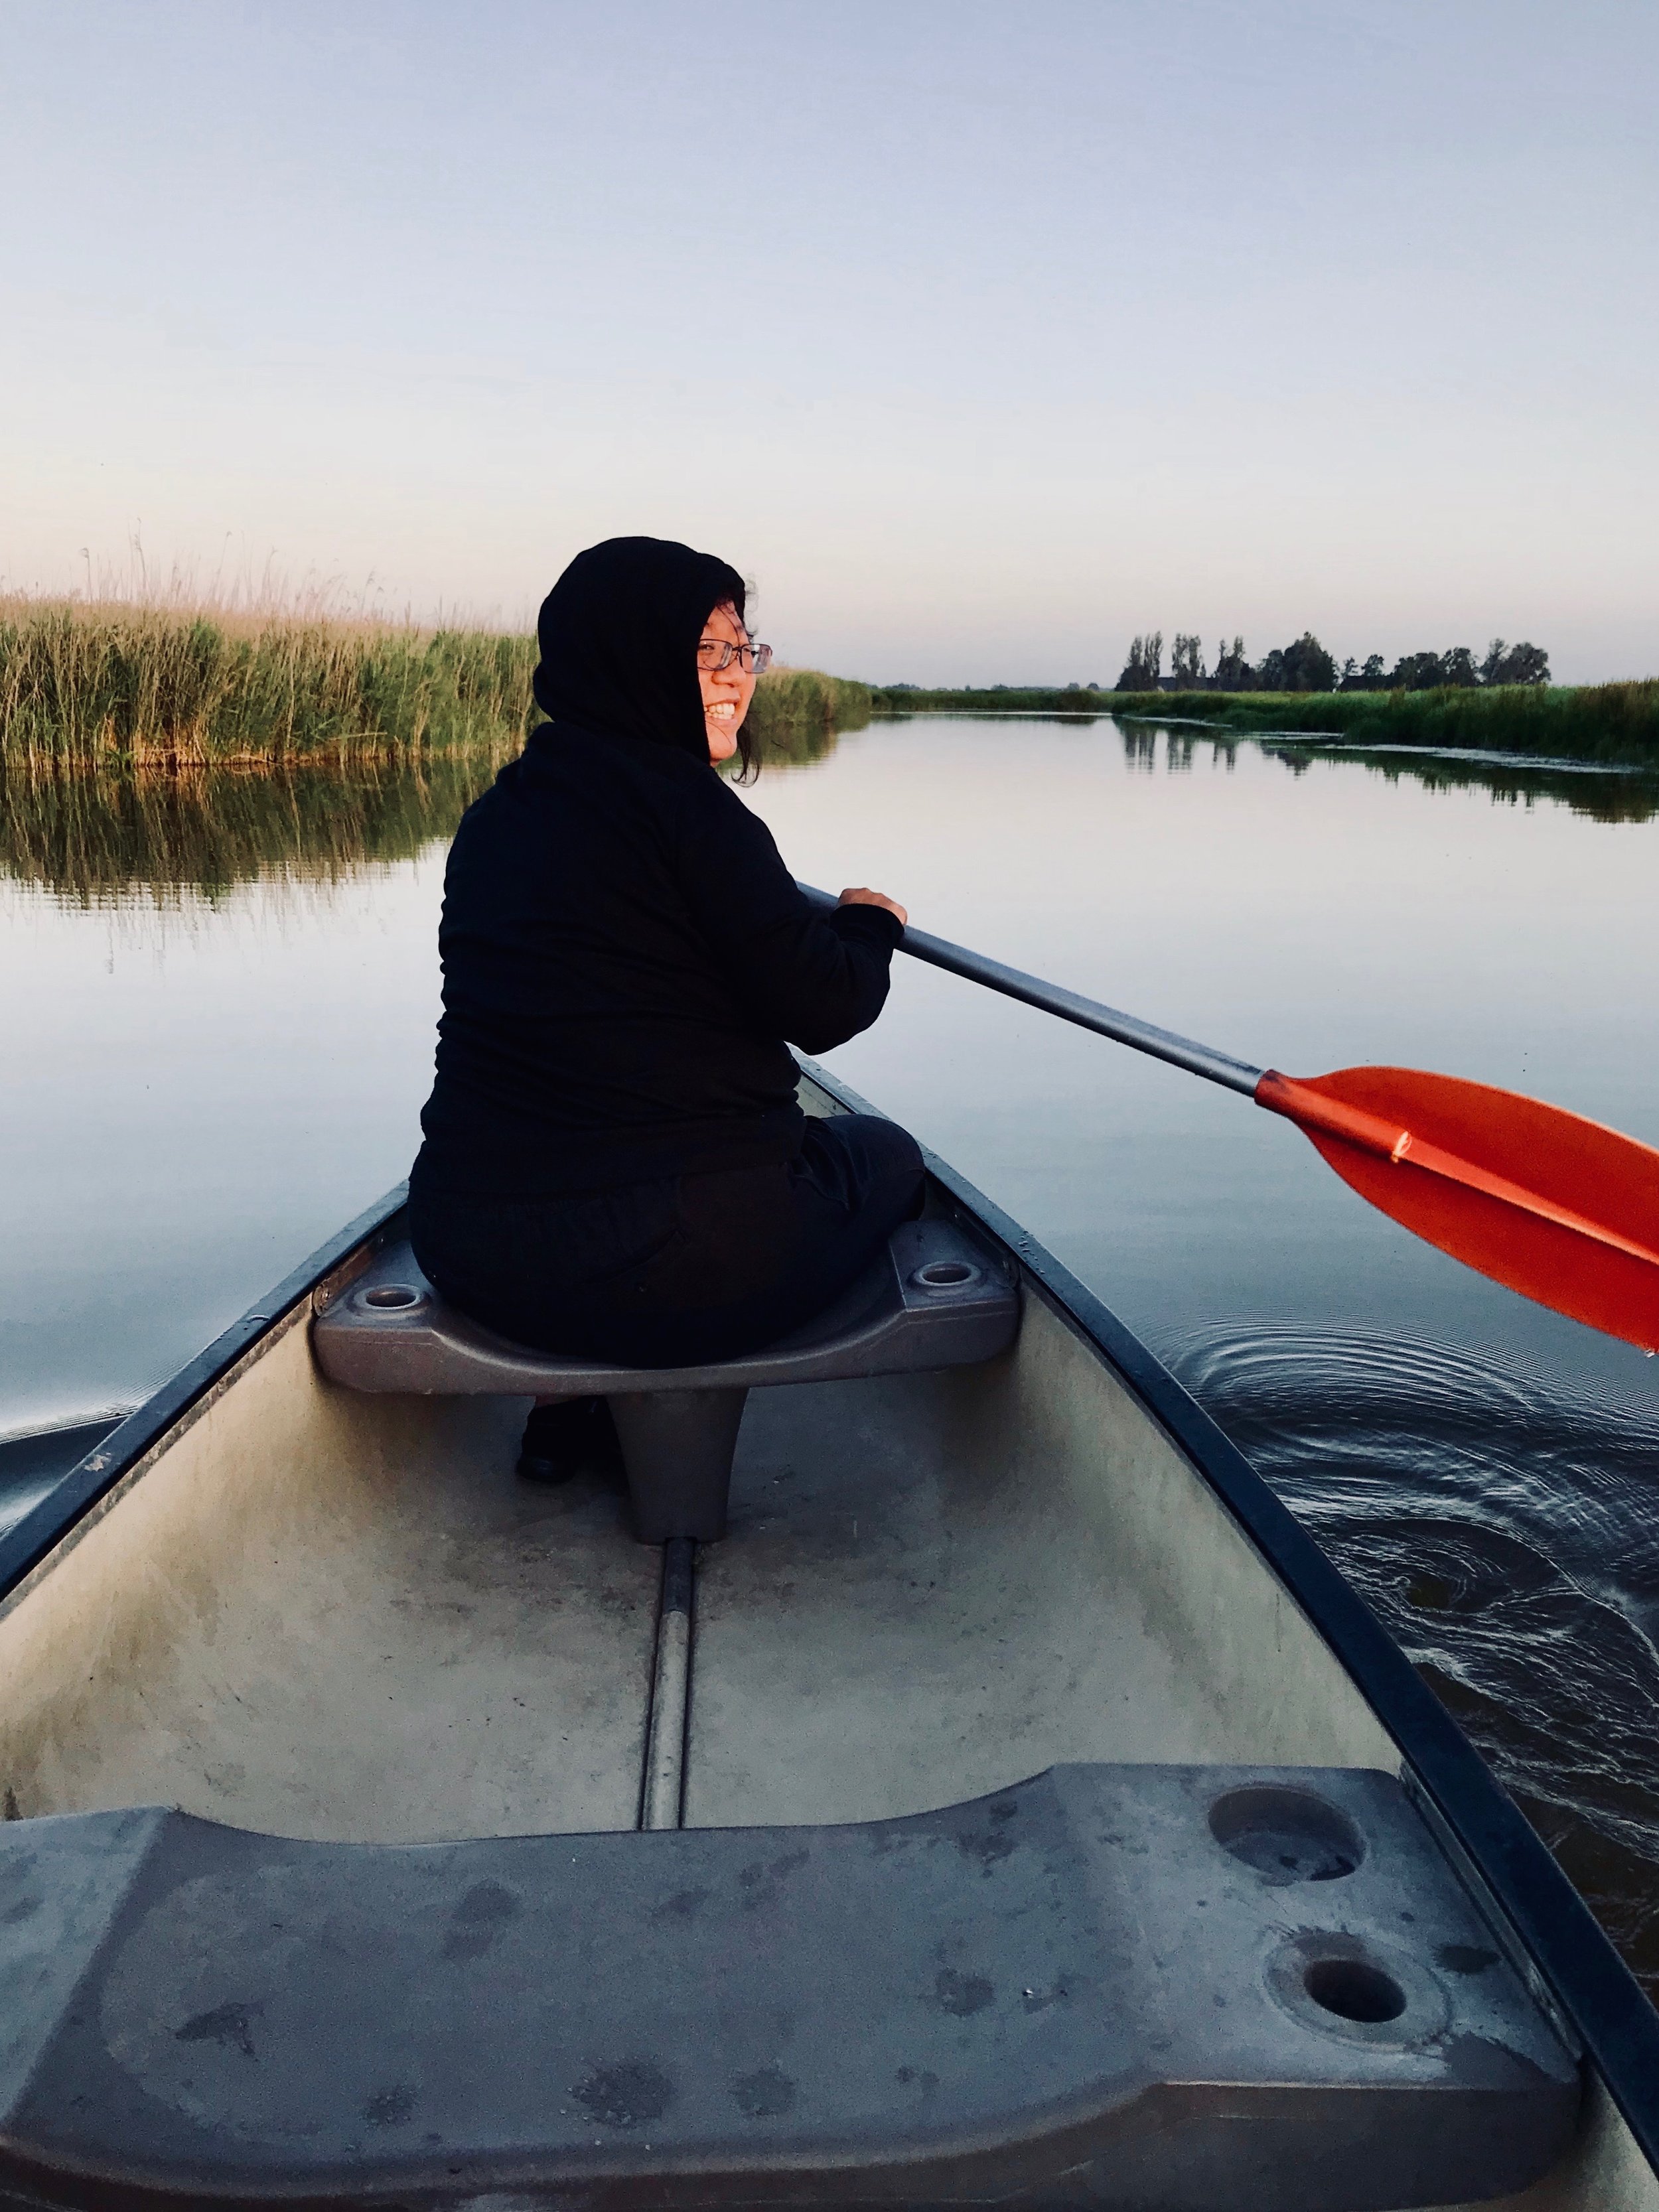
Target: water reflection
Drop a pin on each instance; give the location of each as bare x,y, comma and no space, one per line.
1598,793
1501,1523
1594,793
98,839
155,831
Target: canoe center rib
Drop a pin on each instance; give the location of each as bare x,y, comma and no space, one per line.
662,1785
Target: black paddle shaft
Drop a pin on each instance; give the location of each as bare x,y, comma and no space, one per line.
1072,1006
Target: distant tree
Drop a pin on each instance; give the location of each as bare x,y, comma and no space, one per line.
1308,667
1515,664
1366,677
1304,666
1233,672
1457,667
1186,659
1416,671
1145,664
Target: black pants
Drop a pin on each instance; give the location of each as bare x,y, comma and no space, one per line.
674,1273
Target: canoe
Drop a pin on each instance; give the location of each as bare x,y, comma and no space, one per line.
995,1796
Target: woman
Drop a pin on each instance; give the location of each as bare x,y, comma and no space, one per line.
615,1164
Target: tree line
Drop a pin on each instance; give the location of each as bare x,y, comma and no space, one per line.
1305,665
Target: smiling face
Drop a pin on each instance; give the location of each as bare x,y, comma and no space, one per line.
726,691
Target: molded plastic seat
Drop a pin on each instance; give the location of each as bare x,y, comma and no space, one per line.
1214,1990
937,1297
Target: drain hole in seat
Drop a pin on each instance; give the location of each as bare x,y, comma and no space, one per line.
1286,1835
946,1274
1353,1990
393,1296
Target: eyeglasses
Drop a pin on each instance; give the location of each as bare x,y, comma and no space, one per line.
715,652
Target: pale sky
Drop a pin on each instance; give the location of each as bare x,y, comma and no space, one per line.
981,336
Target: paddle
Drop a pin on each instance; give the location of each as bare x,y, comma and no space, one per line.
1559,1208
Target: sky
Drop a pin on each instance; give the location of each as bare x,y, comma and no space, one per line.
980,338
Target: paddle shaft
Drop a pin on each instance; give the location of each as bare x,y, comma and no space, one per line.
1072,1006
1554,1207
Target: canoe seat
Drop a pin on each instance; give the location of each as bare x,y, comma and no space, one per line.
938,1296
1154,1989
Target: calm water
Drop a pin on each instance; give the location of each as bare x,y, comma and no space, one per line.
202,1083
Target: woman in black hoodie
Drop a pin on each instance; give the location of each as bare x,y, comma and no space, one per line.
615,1164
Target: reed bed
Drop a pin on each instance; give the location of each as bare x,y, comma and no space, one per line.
98,684
94,685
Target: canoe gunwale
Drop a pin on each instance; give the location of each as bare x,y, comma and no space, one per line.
1575,1972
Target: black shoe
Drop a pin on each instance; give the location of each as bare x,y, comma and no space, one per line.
575,1437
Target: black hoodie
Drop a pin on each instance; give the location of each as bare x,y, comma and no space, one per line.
625,952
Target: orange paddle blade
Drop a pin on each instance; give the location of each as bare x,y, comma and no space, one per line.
1557,1208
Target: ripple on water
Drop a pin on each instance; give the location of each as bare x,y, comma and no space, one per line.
1505,1528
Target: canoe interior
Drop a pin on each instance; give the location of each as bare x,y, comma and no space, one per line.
333,1616
324,1615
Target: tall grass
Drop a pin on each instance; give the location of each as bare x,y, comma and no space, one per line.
100,683
1609,722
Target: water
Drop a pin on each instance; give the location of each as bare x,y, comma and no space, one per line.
203,1083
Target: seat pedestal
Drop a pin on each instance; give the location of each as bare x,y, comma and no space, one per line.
938,1296
678,1446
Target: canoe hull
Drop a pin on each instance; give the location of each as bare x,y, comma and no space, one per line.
307,1614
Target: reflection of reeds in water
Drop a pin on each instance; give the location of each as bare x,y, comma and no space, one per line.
98,835
1599,796
107,829
798,713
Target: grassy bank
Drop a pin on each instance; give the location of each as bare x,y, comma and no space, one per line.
1611,722
92,686
995,699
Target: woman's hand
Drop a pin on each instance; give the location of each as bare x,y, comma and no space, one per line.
864,897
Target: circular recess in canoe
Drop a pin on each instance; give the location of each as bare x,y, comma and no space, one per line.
1286,1835
1354,1990
392,1297
946,1275
1354,1987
